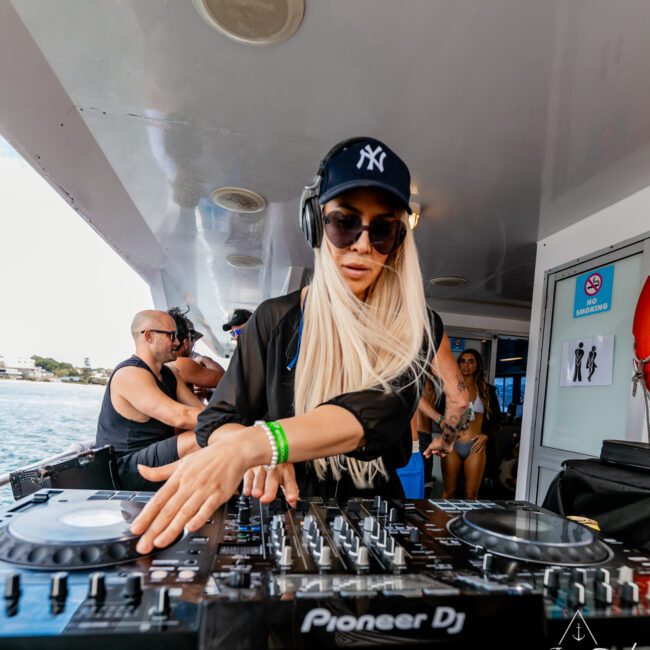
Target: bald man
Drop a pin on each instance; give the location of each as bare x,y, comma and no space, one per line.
144,404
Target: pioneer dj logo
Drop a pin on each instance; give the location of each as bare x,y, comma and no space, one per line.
578,635
444,618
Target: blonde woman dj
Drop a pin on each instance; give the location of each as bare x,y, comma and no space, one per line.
322,387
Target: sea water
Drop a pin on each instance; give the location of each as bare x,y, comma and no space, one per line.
39,419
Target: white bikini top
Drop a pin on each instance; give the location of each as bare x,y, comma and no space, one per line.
475,407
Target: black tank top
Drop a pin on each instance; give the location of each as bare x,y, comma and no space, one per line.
128,435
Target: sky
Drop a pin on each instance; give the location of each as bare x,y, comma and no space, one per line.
64,292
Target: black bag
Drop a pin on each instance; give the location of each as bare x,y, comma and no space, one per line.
616,496
626,452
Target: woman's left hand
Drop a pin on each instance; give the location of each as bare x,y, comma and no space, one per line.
479,443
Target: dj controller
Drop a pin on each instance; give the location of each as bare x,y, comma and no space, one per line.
448,573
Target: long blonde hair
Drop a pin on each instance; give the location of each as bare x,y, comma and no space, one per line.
352,345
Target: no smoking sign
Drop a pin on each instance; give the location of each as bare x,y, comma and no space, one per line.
593,284
593,292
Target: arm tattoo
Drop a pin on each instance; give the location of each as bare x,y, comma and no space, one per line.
453,426
447,436
461,382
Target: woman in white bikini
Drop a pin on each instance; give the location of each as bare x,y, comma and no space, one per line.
469,452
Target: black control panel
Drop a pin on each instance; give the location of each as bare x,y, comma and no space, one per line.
326,574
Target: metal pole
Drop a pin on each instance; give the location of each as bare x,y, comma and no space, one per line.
72,450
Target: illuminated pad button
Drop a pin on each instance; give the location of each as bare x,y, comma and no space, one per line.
186,574
158,574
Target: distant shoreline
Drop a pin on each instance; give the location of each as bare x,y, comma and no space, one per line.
22,380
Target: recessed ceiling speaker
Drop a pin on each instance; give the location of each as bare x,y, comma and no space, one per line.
253,22
238,199
244,262
448,281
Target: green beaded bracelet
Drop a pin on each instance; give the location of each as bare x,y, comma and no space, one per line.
280,440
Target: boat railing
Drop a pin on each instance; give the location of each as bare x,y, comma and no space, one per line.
72,450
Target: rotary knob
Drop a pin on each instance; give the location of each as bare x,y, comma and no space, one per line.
603,593
630,594
243,516
399,560
488,561
325,557
576,595
579,576
162,608
363,560
602,575
395,515
97,586
414,535
12,587
238,579
552,578
59,586
338,523
625,574
133,586
286,559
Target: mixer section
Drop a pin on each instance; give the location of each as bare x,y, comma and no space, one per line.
451,573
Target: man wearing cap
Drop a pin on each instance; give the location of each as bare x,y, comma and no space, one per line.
236,321
200,373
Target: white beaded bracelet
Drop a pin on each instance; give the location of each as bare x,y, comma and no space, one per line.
274,445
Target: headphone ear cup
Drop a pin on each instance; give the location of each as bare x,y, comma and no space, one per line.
313,223
311,220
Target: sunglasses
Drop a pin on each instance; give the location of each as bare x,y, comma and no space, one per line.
172,334
386,235
235,333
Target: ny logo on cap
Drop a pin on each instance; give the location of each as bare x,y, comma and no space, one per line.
371,156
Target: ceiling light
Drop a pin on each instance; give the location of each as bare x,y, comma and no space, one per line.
512,359
253,23
244,262
448,281
238,199
414,217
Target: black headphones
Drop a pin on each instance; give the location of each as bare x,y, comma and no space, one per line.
311,215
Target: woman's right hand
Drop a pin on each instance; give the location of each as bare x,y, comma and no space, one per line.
263,484
196,485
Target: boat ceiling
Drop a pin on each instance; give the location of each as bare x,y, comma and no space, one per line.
516,117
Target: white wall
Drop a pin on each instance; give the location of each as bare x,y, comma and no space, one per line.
624,220
503,326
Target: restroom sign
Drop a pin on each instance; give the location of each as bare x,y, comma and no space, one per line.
593,292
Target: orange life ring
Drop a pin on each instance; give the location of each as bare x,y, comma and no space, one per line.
641,331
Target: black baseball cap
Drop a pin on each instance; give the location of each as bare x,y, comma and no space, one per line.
237,317
193,334
366,163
